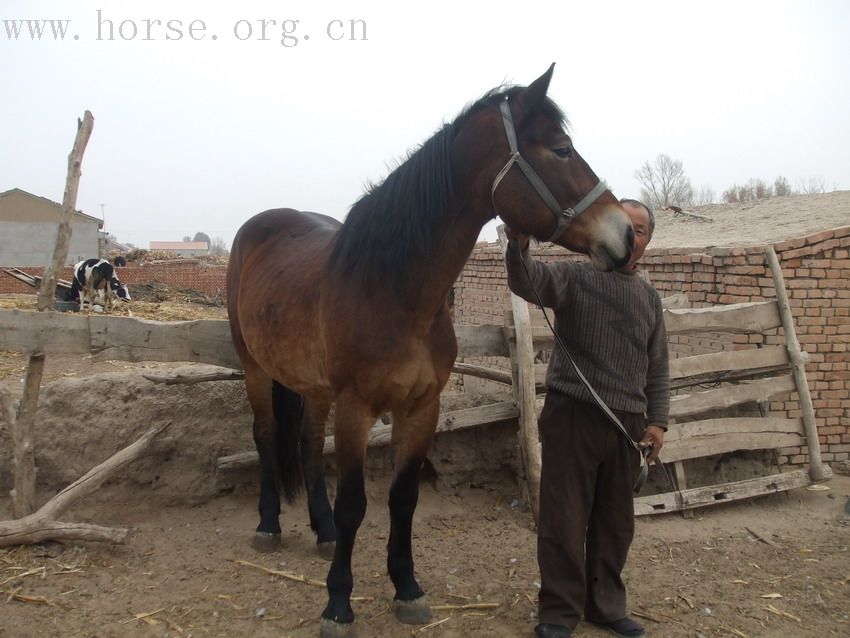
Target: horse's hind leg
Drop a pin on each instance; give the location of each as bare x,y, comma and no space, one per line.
259,389
412,435
312,453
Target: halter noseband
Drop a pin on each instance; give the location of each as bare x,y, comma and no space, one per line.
563,216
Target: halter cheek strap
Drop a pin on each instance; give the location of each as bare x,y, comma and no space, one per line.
563,216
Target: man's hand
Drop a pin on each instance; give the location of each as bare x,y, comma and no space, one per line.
654,436
518,238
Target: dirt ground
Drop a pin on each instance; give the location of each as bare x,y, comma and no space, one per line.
774,566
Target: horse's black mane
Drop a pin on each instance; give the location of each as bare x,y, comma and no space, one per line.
393,225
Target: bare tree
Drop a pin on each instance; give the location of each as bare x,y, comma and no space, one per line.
664,183
814,185
705,196
781,187
218,247
753,190
199,236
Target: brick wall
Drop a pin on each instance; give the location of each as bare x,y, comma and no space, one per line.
205,278
817,276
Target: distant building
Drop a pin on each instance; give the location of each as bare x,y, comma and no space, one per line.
181,248
28,229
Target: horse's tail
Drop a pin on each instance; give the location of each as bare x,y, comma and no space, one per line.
288,412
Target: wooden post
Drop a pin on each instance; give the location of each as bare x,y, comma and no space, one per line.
23,492
522,370
817,471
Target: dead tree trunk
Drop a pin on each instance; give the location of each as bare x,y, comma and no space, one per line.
42,525
23,492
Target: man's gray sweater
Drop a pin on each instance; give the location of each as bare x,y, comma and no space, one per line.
613,327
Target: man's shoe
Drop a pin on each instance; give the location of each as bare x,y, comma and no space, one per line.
623,627
548,630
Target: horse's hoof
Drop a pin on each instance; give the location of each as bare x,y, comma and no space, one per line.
265,542
332,629
413,612
326,549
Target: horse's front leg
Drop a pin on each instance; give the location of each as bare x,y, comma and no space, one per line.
352,422
412,435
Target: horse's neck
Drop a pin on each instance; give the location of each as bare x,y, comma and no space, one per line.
449,256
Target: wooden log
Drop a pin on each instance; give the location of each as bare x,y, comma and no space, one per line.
483,373
381,433
714,494
522,371
727,396
26,532
695,439
42,525
193,378
798,367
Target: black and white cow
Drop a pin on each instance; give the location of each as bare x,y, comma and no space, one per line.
92,276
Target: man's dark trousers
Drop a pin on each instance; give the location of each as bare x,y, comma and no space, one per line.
586,510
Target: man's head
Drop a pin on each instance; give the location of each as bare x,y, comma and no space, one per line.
643,222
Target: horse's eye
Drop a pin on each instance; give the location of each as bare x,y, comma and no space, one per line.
565,152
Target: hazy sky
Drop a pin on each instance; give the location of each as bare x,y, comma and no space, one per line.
201,132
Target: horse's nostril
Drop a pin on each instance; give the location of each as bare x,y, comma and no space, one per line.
630,239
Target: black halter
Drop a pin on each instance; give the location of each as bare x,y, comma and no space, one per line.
563,216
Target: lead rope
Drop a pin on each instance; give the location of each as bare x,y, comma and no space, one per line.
642,452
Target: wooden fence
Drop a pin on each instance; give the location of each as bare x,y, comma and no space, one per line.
743,376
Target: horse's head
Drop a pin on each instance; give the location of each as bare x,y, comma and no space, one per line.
552,193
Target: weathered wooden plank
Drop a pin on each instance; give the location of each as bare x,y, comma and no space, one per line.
753,317
712,495
525,391
46,332
730,395
798,366
733,361
718,436
381,433
715,367
679,300
204,341
481,341
131,339
733,318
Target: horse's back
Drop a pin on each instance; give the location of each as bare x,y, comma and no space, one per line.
275,277
278,240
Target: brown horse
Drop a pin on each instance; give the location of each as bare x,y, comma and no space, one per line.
355,314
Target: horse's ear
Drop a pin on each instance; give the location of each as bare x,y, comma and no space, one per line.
533,96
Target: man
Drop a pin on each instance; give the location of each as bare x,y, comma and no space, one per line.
612,325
